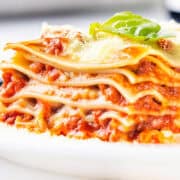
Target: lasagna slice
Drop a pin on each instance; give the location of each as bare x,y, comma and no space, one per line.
120,83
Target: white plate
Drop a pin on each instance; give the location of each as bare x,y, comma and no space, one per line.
13,171
90,158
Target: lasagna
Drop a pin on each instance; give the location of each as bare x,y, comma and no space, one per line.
119,83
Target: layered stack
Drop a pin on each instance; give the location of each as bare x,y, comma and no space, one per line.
111,88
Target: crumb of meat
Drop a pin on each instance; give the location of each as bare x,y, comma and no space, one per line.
165,44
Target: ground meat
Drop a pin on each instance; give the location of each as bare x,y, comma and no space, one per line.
112,94
152,123
53,46
145,67
37,67
147,103
10,117
12,83
165,44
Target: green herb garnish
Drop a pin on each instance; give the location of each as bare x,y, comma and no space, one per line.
129,25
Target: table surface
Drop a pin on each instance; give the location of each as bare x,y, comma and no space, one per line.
22,28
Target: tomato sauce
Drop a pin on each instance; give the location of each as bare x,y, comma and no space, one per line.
10,117
176,69
145,67
53,74
112,94
147,103
150,123
47,71
12,83
37,67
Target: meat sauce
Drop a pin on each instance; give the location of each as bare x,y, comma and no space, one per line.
112,94
165,44
148,130
148,103
108,129
76,126
12,83
176,69
47,70
53,46
10,117
145,67
166,91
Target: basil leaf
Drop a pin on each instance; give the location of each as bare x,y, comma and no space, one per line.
94,28
128,24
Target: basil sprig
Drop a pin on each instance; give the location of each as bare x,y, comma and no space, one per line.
129,25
